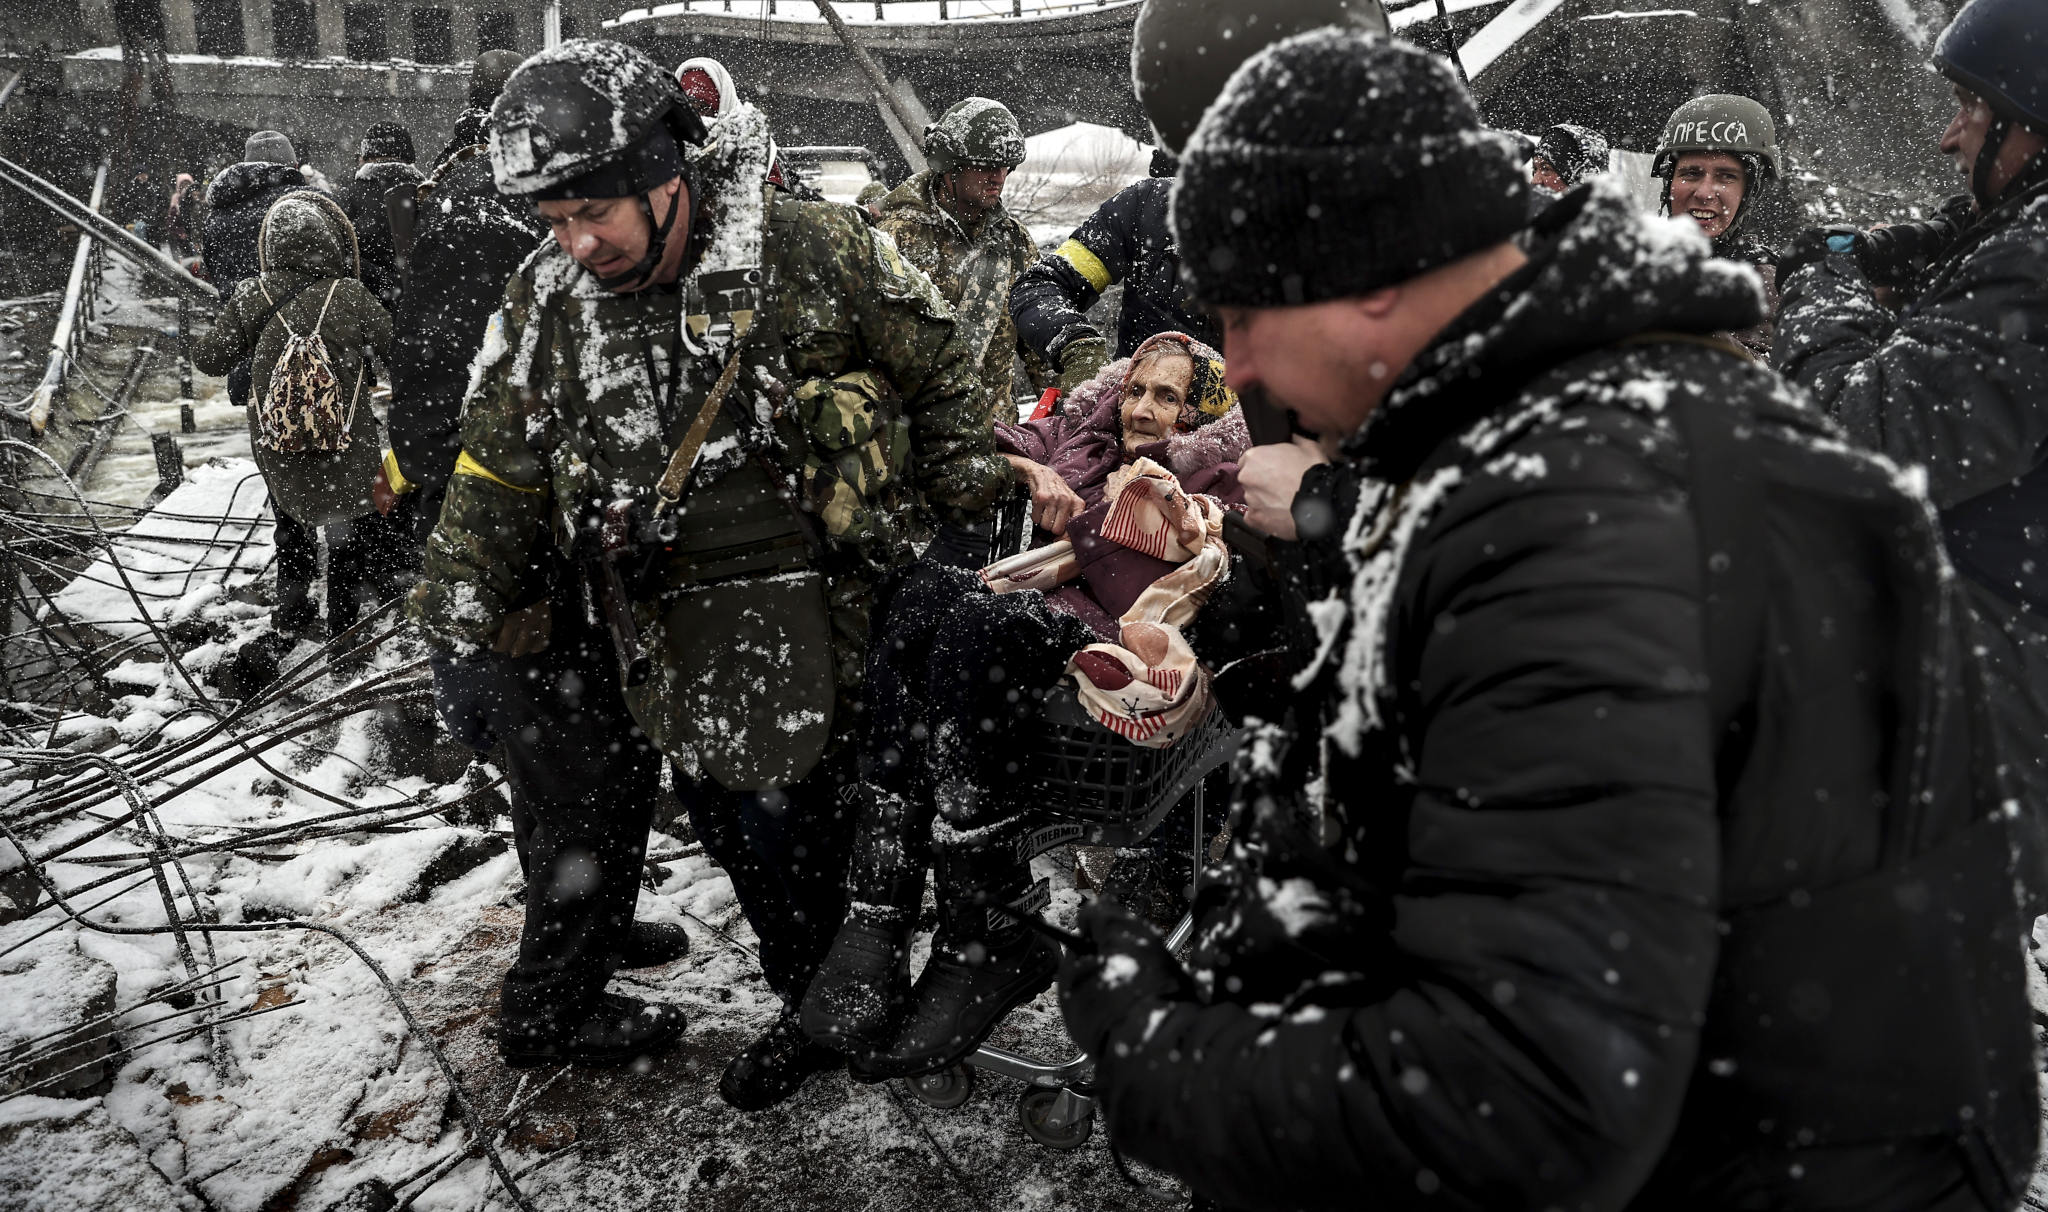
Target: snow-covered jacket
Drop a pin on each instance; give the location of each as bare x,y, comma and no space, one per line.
1956,381
1511,959
467,241
236,202
363,201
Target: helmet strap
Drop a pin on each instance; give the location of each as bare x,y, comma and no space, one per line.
1987,160
657,245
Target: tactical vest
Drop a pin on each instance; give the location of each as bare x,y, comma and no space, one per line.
795,485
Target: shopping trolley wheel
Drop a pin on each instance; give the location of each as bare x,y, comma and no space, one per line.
945,1089
1057,1119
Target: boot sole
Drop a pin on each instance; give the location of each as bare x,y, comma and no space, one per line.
881,1069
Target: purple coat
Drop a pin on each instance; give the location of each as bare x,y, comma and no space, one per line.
1083,443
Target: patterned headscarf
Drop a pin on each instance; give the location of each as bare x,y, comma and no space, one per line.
1208,398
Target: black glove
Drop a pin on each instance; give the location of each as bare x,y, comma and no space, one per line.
1812,245
958,545
1895,255
1123,969
462,692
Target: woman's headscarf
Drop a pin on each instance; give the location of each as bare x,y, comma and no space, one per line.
1208,398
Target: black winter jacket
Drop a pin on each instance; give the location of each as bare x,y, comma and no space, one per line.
467,240
1126,240
1957,382
363,201
236,201
1516,965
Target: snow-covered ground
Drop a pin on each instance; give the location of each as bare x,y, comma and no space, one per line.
321,1095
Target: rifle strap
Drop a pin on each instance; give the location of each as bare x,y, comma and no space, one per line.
677,475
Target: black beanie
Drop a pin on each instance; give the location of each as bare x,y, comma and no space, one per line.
387,140
1336,163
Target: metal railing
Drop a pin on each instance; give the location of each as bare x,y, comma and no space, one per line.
81,294
771,7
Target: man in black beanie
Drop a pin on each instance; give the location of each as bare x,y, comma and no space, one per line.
1546,887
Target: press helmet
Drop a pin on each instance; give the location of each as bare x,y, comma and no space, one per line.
975,133
1184,51
595,119
1998,49
1719,122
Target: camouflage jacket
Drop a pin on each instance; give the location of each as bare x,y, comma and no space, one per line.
579,396
974,270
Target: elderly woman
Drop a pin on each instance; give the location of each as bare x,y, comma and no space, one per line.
956,667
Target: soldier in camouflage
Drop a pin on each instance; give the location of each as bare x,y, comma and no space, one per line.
722,402
950,222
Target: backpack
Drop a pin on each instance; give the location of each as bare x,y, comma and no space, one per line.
303,411
1816,995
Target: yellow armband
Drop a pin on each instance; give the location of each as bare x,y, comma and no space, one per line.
468,466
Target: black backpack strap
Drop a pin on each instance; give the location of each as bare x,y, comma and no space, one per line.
1727,498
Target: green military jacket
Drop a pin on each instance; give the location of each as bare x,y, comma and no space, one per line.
973,268
755,607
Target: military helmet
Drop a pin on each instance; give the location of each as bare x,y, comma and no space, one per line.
586,119
1719,122
975,133
1998,49
1184,51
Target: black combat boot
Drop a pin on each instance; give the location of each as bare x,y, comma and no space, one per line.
653,944
295,613
984,962
863,982
617,1031
774,1066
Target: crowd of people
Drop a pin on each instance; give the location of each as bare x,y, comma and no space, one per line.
1633,630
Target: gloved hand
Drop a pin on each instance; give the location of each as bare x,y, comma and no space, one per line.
1080,361
463,691
1813,244
1123,971
1894,255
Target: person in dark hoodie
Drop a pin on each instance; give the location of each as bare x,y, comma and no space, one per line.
307,284
1612,837
384,161
1956,381
236,201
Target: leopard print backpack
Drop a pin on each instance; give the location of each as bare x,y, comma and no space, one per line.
303,411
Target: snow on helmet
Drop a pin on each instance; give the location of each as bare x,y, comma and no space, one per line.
1183,51
589,118
975,133
1998,49
1720,122
1576,152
